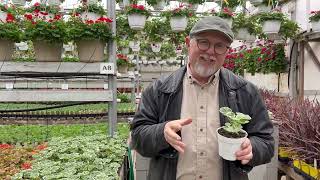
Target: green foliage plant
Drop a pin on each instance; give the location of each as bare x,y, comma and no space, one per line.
235,120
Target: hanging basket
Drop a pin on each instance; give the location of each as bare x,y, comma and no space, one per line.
3,16
135,46
22,46
137,21
6,50
160,5
90,16
178,24
270,27
315,26
19,2
156,47
47,52
90,50
243,34
256,2
263,8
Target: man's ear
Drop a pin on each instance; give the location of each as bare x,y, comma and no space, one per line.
187,41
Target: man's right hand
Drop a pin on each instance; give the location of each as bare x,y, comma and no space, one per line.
171,136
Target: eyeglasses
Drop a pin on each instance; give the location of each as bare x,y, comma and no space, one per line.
219,48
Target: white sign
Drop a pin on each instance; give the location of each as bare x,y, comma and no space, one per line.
65,86
9,85
107,68
105,86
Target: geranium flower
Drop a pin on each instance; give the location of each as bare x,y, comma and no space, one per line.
5,146
10,18
26,165
28,16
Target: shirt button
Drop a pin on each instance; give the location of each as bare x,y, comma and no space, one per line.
200,177
202,88
201,129
201,153
201,107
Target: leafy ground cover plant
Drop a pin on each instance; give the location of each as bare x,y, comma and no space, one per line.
233,128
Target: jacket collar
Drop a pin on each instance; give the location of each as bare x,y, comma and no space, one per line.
173,83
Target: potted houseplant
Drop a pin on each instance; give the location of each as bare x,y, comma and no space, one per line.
193,4
156,30
122,63
289,29
245,27
315,20
225,13
47,30
271,21
231,135
90,37
178,18
137,15
10,32
90,11
157,4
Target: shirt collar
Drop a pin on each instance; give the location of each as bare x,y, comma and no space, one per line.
192,80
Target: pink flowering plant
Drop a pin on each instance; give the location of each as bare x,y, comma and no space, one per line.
224,13
315,16
137,9
181,11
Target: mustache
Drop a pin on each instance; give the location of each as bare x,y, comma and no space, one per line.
207,57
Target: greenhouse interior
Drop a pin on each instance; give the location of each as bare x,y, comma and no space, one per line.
98,89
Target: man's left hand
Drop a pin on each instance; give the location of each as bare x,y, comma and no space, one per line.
245,154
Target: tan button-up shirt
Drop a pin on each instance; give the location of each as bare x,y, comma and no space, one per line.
200,159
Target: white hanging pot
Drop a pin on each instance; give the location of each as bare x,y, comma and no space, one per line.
126,3
243,34
315,26
3,16
263,8
272,26
156,47
229,146
178,24
90,16
160,5
256,2
194,7
135,46
137,21
54,2
92,1
19,2
229,21
125,50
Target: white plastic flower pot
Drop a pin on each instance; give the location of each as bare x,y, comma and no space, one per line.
125,51
315,26
263,8
194,7
178,24
54,2
229,21
19,2
160,5
3,16
134,45
155,47
243,34
270,27
256,2
137,21
90,16
22,46
229,146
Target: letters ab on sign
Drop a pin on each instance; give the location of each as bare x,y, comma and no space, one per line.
107,68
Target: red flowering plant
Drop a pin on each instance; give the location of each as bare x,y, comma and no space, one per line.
315,16
122,60
137,9
94,8
224,13
45,24
10,28
181,11
79,29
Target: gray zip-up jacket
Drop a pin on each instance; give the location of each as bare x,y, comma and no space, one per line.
161,102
